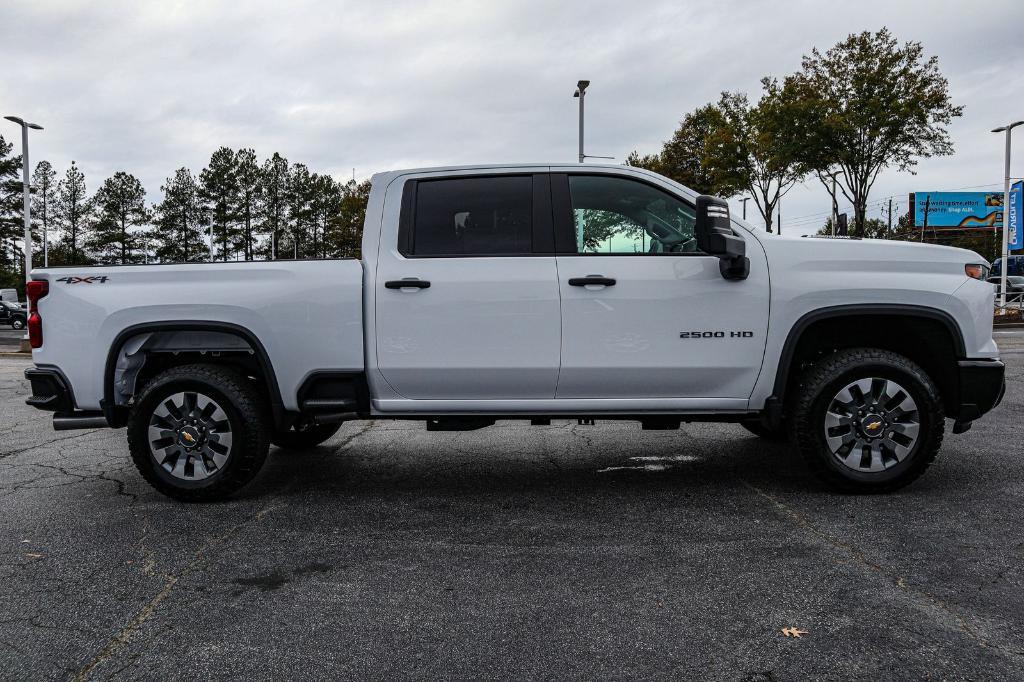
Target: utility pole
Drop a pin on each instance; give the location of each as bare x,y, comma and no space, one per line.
1006,212
888,230
835,207
779,230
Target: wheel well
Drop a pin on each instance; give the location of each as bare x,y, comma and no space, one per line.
927,340
138,355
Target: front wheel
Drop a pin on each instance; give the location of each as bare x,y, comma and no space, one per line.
868,420
18,324
198,433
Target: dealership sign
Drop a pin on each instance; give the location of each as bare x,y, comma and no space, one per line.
958,209
1016,205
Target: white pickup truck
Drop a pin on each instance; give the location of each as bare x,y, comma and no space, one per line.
526,292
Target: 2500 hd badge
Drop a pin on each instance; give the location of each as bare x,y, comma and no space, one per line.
716,335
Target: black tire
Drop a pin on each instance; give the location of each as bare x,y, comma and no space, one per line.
248,423
18,324
757,427
304,437
820,384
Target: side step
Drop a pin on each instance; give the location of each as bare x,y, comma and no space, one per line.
459,423
67,421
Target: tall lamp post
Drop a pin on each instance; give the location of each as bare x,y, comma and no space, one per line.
1008,129
581,91
25,191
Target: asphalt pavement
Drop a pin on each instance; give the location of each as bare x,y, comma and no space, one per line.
562,551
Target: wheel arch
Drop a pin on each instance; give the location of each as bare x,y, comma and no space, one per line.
116,413
928,336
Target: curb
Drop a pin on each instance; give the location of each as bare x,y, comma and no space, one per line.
27,356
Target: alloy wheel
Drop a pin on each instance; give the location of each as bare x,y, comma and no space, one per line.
190,436
872,424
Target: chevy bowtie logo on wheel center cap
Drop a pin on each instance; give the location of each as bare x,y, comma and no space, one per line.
872,425
188,437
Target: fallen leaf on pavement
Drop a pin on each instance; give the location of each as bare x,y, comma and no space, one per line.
793,632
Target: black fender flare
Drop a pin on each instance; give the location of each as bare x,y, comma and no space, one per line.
116,414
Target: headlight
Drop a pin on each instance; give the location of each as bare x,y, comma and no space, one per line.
976,271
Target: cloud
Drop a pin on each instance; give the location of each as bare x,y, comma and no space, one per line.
150,87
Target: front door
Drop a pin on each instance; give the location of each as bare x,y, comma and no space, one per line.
467,304
644,313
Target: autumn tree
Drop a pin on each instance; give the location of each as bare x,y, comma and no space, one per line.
72,209
747,149
682,158
179,220
346,236
120,211
867,104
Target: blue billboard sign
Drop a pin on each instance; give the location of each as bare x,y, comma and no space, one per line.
1015,228
958,209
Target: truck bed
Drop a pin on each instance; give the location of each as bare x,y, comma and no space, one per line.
306,314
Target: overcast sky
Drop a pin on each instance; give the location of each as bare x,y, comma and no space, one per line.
147,87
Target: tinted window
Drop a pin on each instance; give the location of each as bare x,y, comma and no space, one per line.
474,216
617,215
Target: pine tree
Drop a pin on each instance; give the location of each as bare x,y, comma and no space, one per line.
324,209
248,187
219,189
179,218
120,208
298,200
71,210
43,188
11,207
273,209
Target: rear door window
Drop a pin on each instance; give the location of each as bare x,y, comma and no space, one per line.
481,216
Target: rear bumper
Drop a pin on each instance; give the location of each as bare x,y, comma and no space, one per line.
52,392
982,384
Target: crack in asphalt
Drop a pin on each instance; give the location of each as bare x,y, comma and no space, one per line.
51,441
933,602
198,559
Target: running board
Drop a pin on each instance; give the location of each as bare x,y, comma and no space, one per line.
67,421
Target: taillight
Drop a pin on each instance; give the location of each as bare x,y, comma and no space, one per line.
35,290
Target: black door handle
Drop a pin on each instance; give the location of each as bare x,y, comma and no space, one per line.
403,283
591,279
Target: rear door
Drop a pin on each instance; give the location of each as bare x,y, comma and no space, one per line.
467,303
644,313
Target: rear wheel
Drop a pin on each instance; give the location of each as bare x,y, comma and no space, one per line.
304,437
199,432
868,420
18,324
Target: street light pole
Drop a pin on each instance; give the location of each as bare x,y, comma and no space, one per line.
744,201
26,191
581,91
1006,211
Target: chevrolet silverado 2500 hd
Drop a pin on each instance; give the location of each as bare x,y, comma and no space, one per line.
526,292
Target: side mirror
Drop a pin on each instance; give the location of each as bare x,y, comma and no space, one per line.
716,238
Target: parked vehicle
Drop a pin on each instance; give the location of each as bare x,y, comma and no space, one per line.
1014,283
1016,266
9,295
527,292
12,314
